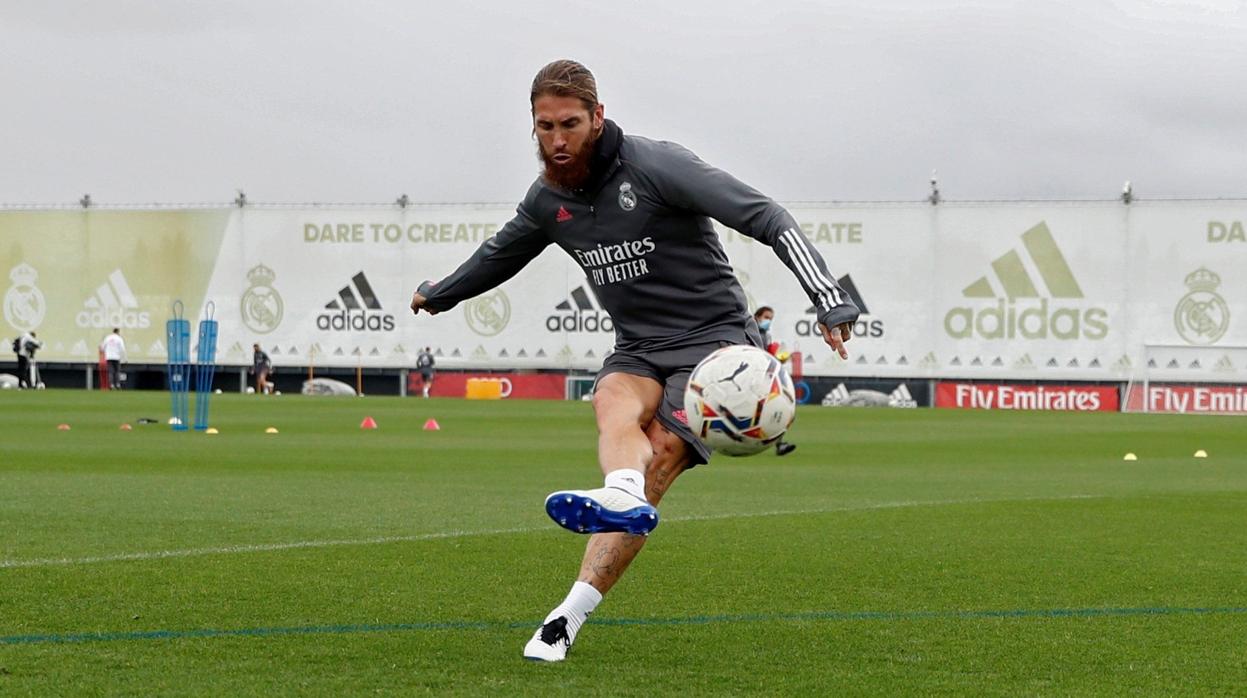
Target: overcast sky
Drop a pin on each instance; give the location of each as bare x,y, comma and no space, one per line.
163,101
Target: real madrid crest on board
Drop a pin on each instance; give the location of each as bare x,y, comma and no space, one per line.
261,303
488,314
627,200
24,306
1202,315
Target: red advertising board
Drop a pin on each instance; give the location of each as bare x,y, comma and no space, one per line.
546,386
1188,399
1000,396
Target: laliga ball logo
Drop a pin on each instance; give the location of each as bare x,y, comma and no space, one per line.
739,400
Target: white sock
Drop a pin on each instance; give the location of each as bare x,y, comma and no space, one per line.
628,480
580,602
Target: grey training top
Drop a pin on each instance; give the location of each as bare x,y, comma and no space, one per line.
424,361
642,234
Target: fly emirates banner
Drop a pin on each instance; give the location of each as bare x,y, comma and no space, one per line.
1062,291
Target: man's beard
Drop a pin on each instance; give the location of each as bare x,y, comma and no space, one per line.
572,175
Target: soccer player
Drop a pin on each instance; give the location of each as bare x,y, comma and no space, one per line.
424,364
114,348
261,366
27,369
635,214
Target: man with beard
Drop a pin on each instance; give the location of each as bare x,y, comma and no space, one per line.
635,214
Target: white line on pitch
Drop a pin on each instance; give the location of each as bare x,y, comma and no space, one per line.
269,547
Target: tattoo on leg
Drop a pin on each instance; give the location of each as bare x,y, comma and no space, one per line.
660,478
609,554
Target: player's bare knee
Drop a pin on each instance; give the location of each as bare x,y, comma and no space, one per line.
617,408
610,410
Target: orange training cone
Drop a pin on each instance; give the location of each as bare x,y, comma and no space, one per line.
432,425
62,427
125,427
368,423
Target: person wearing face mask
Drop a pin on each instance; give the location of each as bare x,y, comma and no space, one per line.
764,316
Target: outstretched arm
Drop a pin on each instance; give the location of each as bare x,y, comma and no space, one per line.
496,260
689,183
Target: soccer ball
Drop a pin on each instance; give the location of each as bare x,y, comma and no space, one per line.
739,400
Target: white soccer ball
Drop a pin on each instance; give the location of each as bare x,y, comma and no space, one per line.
739,400
250,390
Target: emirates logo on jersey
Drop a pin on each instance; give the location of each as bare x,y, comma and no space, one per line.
609,264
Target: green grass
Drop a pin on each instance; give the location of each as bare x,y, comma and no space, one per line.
896,552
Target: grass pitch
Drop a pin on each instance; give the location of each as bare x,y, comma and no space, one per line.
896,552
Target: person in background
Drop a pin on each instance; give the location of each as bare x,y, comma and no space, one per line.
765,316
424,364
114,348
261,367
27,372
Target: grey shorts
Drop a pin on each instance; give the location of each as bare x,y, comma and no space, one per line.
671,368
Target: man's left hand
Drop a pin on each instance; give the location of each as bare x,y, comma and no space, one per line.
837,336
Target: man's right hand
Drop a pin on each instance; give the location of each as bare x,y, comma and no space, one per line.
417,304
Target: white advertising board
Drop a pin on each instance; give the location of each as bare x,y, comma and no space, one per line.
1034,290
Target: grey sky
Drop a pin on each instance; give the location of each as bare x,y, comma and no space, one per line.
162,101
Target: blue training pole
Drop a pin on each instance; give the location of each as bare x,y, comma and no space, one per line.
206,357
178,341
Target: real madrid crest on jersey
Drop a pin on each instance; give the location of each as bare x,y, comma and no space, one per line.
261,303
24,306
1202,315
627,200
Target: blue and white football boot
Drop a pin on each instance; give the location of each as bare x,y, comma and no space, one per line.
603,510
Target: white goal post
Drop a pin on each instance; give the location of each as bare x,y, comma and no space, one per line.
578,387
1188,379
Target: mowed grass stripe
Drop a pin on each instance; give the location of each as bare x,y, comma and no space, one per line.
382,540
810,616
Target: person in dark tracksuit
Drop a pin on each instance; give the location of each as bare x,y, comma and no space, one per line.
635,214
424,364
27,369
261,366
